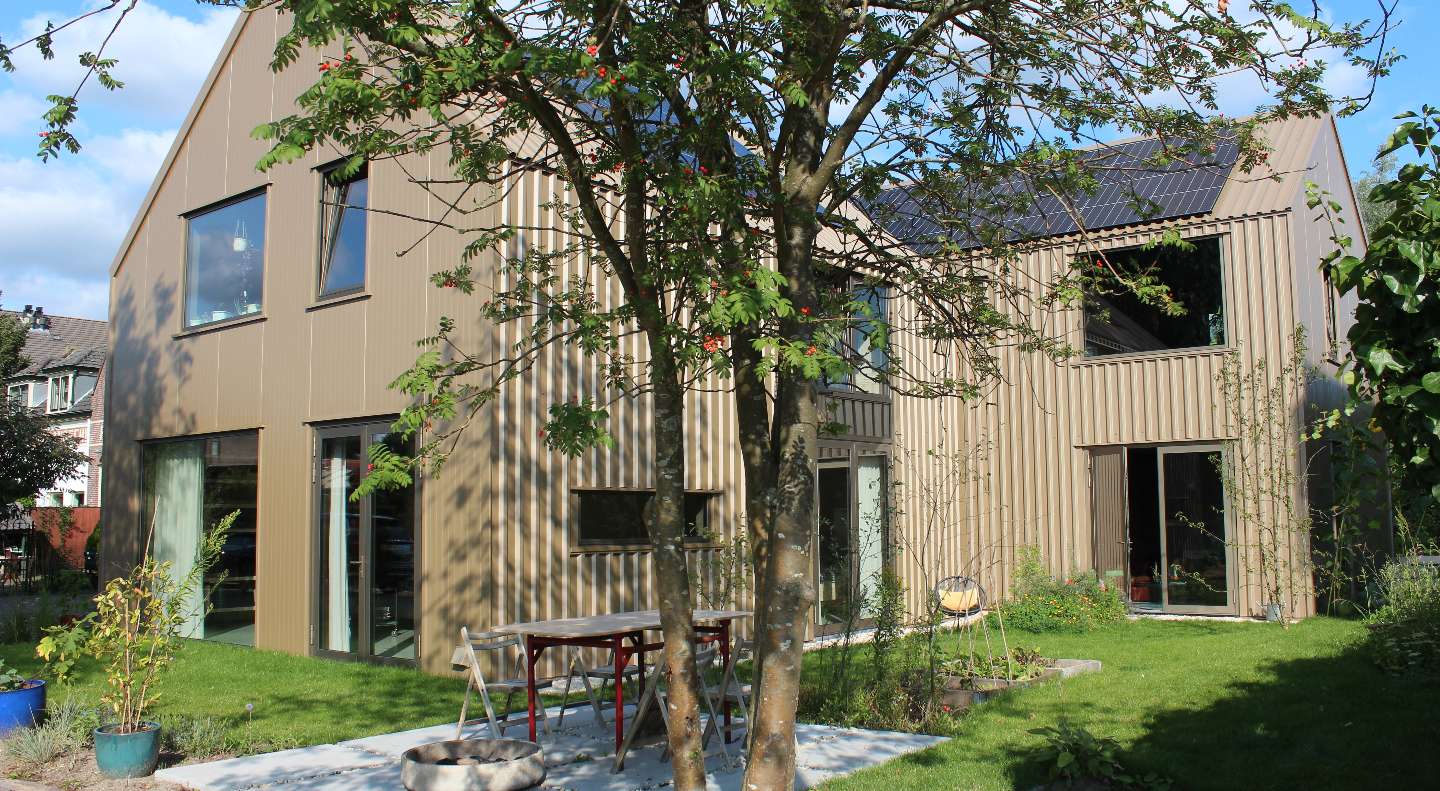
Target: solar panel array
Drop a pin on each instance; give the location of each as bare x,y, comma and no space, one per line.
1130,189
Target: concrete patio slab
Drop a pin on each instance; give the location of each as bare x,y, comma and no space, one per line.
269,769
578,757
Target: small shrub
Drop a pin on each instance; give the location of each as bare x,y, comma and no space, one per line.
1076,755
69,726
78,720
1404,633
1042,603
195,737
34,747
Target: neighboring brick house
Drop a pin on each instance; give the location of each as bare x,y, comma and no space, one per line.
63,382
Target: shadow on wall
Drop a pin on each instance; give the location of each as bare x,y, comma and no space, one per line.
1333,721
146,367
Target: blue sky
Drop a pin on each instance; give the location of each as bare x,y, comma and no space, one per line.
61,222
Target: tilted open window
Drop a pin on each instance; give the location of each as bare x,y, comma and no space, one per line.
343,204
1117,321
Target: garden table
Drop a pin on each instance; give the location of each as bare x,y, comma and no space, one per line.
613,631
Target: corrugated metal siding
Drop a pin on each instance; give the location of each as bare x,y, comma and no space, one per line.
495,538
1038,432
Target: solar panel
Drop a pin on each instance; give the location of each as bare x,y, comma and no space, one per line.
1129,189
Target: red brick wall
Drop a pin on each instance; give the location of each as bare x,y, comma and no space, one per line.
82,524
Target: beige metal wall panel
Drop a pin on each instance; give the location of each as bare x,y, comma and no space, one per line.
239,391
1038,431
970,481
1271,186
250,95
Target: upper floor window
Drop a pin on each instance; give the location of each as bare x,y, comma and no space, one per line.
18,394
59,393
860,340
37,394
1189,312
343,204
225,260
617,518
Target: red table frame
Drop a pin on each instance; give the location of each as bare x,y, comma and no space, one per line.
535,646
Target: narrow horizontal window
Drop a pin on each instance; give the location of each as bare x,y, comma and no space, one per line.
225,261
617,518
1118,321
343,207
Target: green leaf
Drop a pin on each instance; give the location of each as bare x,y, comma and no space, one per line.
1381,360
1431,381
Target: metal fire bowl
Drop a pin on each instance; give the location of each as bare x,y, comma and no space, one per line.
473,765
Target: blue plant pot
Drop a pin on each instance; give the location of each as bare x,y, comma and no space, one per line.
20,708
122,755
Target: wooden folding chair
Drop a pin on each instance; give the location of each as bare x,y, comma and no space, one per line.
605,674
655,694
476,681
729,690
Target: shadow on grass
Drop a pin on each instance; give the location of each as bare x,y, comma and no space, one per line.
1333,721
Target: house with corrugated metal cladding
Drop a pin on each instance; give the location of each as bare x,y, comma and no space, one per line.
256,326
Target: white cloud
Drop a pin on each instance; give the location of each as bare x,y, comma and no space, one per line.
19,112
61,222
58,294
163,58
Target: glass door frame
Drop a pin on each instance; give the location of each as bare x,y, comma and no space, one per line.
1231,606
853,452
364,615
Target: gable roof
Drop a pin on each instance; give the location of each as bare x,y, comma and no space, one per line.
179,142
71,342
1129,191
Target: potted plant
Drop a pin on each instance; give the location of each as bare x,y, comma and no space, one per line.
21,699
136,630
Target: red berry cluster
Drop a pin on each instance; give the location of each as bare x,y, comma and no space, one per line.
713,343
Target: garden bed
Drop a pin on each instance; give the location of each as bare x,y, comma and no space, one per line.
962,691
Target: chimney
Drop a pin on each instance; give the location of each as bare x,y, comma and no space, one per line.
35,319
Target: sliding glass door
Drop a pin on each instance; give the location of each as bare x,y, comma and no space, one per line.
1177,548
1195,541
190,485
851,540
365,551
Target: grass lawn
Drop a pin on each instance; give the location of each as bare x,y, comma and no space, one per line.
1209,704
298,700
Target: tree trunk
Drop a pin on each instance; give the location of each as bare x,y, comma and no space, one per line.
672,577
789,589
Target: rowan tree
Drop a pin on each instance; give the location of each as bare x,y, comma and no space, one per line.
731,166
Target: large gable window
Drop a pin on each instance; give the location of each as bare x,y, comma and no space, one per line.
616,518
225,260
342,231
1117,321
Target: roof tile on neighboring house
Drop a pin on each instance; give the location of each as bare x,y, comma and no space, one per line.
70,342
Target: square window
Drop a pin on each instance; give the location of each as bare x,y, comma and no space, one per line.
616,518
225,261
1119,322
18,394
343,204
